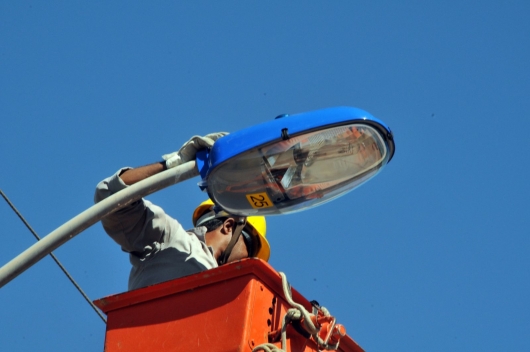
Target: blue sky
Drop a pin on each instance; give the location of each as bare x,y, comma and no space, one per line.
431,255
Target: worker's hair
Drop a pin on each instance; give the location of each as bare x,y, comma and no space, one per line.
213,224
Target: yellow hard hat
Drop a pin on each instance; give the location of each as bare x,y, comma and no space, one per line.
256,227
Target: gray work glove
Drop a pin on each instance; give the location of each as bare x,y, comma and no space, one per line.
188,151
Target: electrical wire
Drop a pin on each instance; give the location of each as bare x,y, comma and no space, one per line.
55,259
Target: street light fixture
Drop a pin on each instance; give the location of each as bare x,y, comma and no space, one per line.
295,162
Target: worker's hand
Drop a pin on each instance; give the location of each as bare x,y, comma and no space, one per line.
188,151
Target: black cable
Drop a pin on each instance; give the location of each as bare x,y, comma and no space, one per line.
55,259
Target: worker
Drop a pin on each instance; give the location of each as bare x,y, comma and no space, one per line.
158,246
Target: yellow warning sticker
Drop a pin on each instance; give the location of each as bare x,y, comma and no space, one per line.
259,200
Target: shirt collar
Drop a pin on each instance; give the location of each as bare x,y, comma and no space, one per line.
200,232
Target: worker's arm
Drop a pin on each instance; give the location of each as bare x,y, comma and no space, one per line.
186,153
141,223
131,176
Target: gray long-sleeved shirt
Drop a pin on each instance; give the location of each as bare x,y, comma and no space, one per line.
159,248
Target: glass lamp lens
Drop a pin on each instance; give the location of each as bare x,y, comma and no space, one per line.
300,172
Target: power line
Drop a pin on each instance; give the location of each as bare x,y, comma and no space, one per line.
55,259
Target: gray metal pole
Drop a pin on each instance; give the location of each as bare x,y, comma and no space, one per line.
92,215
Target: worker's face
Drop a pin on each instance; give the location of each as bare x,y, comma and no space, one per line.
239,251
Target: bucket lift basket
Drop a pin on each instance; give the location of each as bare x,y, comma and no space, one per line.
235,307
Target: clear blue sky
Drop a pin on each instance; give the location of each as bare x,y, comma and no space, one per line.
431,255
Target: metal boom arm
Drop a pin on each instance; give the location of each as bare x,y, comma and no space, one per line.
89,217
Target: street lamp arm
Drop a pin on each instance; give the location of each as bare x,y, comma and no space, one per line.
92,215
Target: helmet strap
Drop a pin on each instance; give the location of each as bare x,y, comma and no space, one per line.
240,224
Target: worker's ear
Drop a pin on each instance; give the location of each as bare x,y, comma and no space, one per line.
228,226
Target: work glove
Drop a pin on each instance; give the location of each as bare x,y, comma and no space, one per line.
188,151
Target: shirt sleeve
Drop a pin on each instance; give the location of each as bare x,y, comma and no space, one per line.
137,225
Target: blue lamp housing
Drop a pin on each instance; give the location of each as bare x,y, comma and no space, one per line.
296,161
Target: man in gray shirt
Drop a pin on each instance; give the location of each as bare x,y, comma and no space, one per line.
158,246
